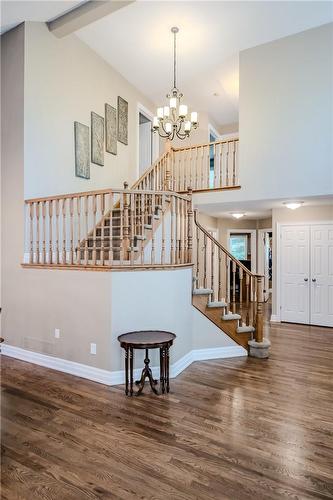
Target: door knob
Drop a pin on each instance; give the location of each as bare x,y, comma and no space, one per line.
314,280
306,279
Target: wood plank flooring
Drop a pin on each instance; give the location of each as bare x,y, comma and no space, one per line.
230,429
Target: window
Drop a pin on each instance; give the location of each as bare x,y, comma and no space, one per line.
238,246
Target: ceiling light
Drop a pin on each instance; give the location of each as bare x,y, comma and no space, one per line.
293,204
174,120
237,215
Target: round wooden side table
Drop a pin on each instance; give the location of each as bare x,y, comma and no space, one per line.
147,339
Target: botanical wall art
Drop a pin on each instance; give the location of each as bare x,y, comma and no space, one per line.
97,139
110,129
122,120
82,156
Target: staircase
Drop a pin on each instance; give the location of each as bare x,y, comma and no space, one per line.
153,225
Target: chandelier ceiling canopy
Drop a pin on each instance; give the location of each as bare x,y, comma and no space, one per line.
174,121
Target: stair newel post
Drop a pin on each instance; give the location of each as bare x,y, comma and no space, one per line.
259,335
189,226
259,347
125,221
50,211
197,273
172,230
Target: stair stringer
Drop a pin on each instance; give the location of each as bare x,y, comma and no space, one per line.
229,328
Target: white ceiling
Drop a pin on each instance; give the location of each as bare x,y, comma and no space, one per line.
257,209
136,41
14,13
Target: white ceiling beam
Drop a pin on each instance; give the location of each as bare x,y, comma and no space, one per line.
83,15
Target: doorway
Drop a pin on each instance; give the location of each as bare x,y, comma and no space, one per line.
242,244
305,274
265,245
148,142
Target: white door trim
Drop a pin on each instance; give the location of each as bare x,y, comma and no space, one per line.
261,254
253,233
279,226
155,138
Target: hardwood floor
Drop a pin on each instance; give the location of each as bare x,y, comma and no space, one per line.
238,429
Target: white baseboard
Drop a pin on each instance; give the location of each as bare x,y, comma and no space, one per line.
118,377
275,318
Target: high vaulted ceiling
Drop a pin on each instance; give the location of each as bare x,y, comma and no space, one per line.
14,13
137,42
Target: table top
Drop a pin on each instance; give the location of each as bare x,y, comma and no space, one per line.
146,338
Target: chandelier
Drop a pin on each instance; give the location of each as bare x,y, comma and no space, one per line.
173,120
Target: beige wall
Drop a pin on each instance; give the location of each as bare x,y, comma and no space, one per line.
302,215
283,153
64,81
12,164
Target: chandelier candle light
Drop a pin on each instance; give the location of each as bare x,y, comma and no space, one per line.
173,120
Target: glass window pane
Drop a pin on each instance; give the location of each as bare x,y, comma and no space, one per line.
238,246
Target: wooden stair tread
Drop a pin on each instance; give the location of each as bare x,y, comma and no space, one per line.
214,314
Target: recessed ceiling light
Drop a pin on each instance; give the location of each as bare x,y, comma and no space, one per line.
293,204
216,94
237,215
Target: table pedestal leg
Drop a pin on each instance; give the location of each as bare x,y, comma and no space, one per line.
162,370
167,368
131,355
126,371
146,373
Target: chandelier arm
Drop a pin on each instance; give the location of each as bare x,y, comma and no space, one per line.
167,134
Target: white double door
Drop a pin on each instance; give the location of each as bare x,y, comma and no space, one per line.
307,274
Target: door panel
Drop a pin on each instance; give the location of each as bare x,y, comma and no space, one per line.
295,274
322,275
145,146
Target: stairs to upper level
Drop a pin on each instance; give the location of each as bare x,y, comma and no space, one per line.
153,225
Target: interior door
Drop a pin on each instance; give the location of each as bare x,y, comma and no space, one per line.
145,146
295,274
322,275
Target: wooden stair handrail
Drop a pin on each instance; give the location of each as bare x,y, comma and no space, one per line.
205,144
150,169
218,244
104,191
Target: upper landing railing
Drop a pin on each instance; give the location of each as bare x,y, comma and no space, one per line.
204,167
